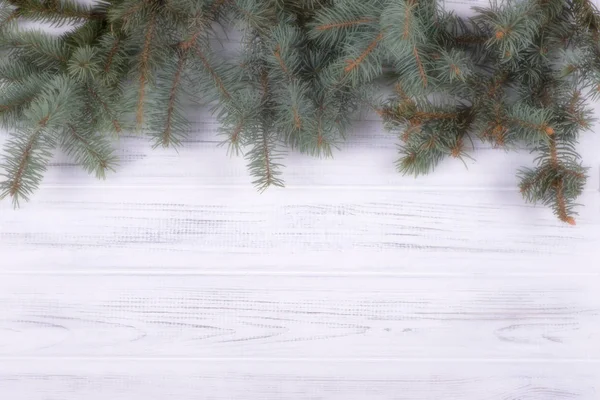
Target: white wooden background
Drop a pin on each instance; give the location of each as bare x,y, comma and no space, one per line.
175,279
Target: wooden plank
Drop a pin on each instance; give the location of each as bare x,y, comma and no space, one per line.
300,317
276,380
367,158
286,231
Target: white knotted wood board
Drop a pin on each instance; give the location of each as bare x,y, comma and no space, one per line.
175,279
237,230
300,317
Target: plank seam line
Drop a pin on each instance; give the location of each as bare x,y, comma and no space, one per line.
249,188
317,359
242,273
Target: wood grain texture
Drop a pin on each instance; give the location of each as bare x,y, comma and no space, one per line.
276,380
300,317
174,279
232,230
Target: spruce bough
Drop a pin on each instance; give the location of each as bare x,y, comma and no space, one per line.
516,73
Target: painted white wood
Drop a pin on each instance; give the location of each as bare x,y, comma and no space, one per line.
301,317
276,380
175,279
171,229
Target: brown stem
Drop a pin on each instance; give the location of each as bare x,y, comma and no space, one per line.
212,72
37,47
297,120
202,22
559,185
132,11
101,161
277,55
144,69
172,97
236,132
412,127
320,139
111,55
548,130
353,64
420,66
456,150
344,24
14,15
407,19
268,174
574,100
403,96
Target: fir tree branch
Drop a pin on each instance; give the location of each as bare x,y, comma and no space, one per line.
111,55
335,23
30,149
277,54
422,72
588,15
413,127
15,184
297,119
408,8
560,199
7,17
16,105
263,165
268,178
201,21
43,50
103,163
353,64
113,120
543,128
307,67
144,69
209,68
93,153
167,135
28,154
402,94
263,161
236,133
344,24
16,96
122,13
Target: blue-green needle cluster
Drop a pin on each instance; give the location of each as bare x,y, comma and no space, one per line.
513,74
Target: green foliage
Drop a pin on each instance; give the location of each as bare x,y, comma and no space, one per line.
52,92
518,73
55,13
523,72
30,148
